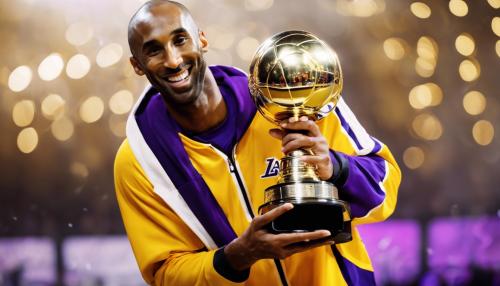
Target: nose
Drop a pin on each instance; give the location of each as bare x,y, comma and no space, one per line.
174,58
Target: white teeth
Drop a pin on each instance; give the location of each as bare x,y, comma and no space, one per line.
179,77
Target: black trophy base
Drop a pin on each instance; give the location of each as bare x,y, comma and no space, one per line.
312,215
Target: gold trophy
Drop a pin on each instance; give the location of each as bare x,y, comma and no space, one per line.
295,74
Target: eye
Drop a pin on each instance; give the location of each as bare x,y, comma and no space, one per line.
153,51
180,40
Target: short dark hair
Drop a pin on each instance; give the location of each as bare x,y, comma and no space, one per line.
146,7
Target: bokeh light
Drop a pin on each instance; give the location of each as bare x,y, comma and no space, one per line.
51,67
474,102
427,51
495,26
109,55
458,8
494,3
497,48
20,78
436,92
27,140
246,48
469,70
394,48
23,112
413,157
79,33
425,67
360,8
79,169
483,132
91,109
121,102
117,125
220,38
53,106
62,128
420,97
258,5
427,48
425,95
465,44
427,126
420,10
78,66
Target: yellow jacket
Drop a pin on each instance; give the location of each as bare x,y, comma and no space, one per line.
173,247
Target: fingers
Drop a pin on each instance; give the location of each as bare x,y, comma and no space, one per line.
292,249
261,221
291,238
303,123
294,141
324,165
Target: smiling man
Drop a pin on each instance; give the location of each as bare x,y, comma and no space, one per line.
191,174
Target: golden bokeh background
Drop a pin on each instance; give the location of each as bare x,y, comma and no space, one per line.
422,76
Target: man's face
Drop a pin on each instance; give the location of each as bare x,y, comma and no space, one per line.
169,51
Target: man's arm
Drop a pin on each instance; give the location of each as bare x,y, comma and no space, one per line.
166,250
368,177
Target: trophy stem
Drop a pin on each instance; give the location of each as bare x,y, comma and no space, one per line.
293,169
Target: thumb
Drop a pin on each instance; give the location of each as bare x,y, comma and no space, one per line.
276,133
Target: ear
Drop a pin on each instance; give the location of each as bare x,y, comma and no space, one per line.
137,68
203,41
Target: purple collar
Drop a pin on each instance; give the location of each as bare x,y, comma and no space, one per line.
160,132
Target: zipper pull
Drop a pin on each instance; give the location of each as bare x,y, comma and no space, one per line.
231,166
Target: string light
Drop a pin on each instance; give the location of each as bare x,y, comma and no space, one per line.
483,132
51,67
474,102
62,129
79,33
23,112
121,102
20,78
495,26
53,106
78,66
427,126
458,8
465,44
420,10
91,109
394,48
494,3
469,70
427,50
109,55
27,140
360,8
413,157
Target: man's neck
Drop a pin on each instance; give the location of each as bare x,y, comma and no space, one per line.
208,110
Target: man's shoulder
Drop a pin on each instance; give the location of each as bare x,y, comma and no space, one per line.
228,71
125,160
124,156
127,169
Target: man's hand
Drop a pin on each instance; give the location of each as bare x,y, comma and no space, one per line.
257,243
304,133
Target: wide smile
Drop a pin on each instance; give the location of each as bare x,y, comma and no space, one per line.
180,78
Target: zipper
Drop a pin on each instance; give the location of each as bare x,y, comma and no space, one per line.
245,202
233,168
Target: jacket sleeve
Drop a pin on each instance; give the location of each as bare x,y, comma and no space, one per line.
166,250
369,176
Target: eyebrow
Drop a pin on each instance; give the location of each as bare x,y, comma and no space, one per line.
153,42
